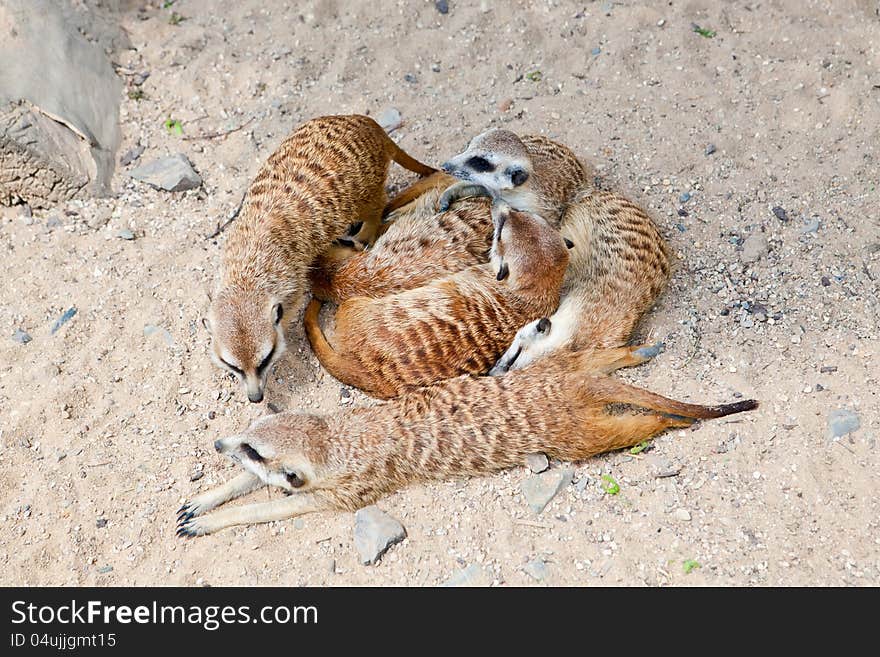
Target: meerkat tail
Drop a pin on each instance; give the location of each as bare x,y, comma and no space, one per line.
437,180
339,367
613,391
405,160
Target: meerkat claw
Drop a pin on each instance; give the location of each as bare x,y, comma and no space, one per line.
649,352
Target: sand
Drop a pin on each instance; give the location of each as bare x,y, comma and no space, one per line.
107,424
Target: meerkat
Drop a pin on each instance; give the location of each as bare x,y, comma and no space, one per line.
461,427
454,325
422,244
619,266
522,171
329,173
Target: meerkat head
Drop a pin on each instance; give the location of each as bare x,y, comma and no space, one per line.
526,251
531,341
276,448
497,160
247,336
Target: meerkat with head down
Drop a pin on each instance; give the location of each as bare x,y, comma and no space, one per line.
454,325
461,427
328,174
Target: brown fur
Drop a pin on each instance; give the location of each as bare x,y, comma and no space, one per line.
329,173
464,426
457,324
422,244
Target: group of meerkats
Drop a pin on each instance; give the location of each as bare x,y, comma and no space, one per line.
508,262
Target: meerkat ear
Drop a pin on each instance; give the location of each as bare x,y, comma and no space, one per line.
518,176
277,313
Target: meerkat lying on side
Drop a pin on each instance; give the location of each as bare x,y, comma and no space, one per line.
619,266
329,173
522,171
463,426
422,244
454,325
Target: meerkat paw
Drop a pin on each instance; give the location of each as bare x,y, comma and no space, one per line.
190,527
194,507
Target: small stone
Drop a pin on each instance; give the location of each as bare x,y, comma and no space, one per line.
842,421
25,212
825,281
140,78
710,149
754,248
53,222
827,369
389,119
469,576
100,523
344,393
132,155
682,514
374,532
812,226
596,51
536,569
22,337
152,329
61,321
442,6
537,462
172,174
105,569
100,218
505,105
540,489
411,78
684,197
780,213
435,67
125,234
195,476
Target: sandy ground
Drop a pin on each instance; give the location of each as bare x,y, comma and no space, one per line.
105,429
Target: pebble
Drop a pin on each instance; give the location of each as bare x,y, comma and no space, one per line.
53,222
131,156
411,78
172,174
442,6
596,51
100,523
754,248
374,532
827,369
105,569
100,218
780,213
540,489
684,197
825,281
812,226
682,514
22,337
536,569
842,421
537,462
505,105
152,329
125,234
389,119
61,321
710,149
466,577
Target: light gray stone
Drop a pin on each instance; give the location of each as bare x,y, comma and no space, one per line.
754,248
536,569
537,462
389,119
173,174
540,489
842,421
374,532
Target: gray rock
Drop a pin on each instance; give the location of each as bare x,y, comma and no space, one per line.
540,489
389,119
682,514
780,213
812,226
754,248
473,575
61,321
374,532
536,569
842,421
105,569
442,6
21,337
53,222
125,234
710,149
131,156
537,462
684,197
152,329
173,174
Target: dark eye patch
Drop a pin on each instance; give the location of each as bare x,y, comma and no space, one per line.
251,453
232,367
294,480
480,164
266,361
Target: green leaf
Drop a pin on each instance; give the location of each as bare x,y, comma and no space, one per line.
535,76
611,487
641,447
167,4
136,94
703,31
174,126
176,19
689,565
